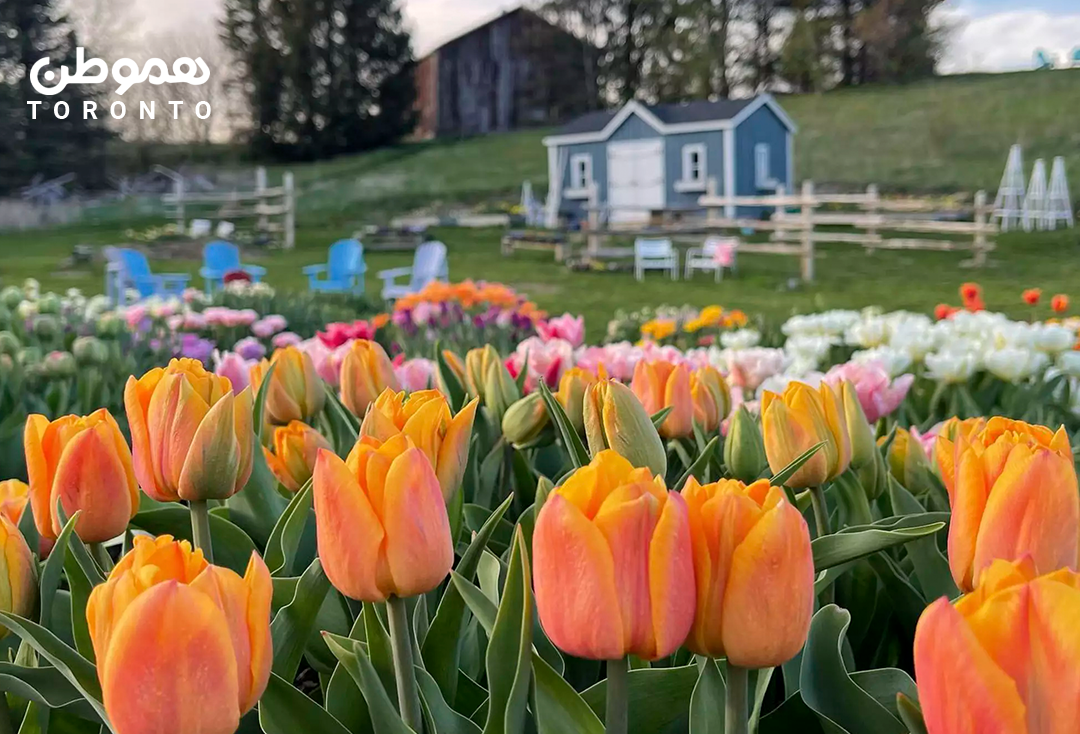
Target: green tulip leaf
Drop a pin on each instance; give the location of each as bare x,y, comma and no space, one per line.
256,508
342,418
707,702
258,409
285,710
788,471
455,391
481,607
80,588
343,698
292,542
54,570
658,417
444,719
78,549
910,714
559,708
46,686
579,455
384,716
828,689
232,546
294,623
931,567
862,541
441,651
380,647
510,647
697,469
659,698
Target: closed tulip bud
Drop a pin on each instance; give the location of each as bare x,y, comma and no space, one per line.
744,449
9,343
457,367
191,437
711,396
865,457
1014,493
365,372
525,420
182,646
425,418
798,420
660,385
1005,659
381,521
612,564
754,571
295,392
908,462
85,464
571,395
615,419
14,494
18,573
489,380
295,448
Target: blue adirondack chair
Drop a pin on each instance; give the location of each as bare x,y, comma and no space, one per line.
343,272
221,258
429,263
129,270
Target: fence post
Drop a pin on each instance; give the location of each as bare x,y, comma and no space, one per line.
872,211
593,245
807,231
978,255
260,201
779,215
290,210
178,192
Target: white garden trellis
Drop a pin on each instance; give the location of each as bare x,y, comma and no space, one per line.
1058,203
1039,205
1035,200
1008,205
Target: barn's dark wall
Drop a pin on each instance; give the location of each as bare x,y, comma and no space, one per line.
516,71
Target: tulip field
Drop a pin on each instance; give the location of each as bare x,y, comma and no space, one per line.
463,515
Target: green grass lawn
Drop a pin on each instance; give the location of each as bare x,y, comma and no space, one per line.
846,277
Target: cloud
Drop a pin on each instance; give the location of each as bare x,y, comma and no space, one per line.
1006,41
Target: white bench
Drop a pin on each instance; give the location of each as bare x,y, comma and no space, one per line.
655,254
716,254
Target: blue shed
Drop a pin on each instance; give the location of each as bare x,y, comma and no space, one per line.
644,158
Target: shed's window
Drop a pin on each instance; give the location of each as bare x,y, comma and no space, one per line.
693,163
762,167
580,171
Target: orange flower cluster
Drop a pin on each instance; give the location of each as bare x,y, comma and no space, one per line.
469,294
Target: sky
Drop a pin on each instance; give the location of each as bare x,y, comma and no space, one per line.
988,35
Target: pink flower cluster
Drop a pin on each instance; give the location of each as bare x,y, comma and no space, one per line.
339,333
230,317
878,394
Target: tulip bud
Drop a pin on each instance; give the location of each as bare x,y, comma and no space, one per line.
795,422
60,365
84,463
14,494
90,350
754,571
866,460
571,395
425,418
489,380
744,449
612,565
46,327
660,385
49,303
9,343
191,437
11,296
365,372
457,367
381,521
182,646
615,419
295,449
1013,642
908,462
18,573
295,392
711,396
525,420
1014,493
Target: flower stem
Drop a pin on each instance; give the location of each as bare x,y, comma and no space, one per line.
735,709
200,527
401,642
616,716
101,555
821,521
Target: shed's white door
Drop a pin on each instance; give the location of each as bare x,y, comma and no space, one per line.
635,174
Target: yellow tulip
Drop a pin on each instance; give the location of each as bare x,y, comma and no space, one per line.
796,421
571,394
18,573
295,448
711,396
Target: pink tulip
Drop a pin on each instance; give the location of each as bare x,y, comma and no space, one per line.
415,374
567,327
267,326
235,368
286,339
748,368
877,395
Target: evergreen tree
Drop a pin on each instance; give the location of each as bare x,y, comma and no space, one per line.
31,30
321,77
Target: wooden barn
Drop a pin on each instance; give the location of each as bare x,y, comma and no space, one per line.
642,159
515,71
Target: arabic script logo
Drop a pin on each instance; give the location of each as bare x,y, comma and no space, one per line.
125,73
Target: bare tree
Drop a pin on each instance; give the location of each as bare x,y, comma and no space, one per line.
108,27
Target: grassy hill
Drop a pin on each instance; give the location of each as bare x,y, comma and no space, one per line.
942,136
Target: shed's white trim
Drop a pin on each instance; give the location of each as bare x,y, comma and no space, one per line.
764,100
729,171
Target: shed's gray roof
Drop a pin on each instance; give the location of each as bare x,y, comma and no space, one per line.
669,114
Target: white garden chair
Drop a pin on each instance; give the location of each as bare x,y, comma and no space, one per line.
655,254
716,254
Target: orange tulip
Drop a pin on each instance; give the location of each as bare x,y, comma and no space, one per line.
365,372
1031,296
754,571
1059,303
1004,659
381,520
660,385
571,395
796,421
292,460
712,398
945,444
1014,493
425,417
182,646
295,392
14,494
18,573
612,563
84,463
192,439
